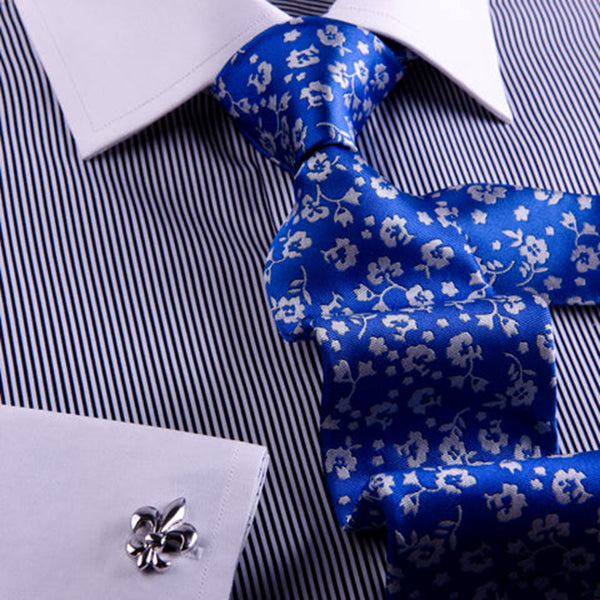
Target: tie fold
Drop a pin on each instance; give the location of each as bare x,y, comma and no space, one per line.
511,530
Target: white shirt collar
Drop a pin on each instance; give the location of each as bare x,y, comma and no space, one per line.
118,65
456,36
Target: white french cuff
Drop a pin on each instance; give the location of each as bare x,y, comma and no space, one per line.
70,485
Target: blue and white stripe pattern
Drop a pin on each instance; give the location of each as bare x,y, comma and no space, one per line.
126,292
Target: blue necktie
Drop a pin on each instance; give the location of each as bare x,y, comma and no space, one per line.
438,408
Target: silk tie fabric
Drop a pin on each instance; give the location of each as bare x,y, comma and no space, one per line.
438,410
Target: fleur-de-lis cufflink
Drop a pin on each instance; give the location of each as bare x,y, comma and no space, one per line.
156,533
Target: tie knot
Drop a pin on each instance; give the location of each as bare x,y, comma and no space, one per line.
305,84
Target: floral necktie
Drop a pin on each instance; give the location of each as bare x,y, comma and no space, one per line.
438,408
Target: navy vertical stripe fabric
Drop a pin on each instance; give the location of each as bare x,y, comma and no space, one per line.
127,292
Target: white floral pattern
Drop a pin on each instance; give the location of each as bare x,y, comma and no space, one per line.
439,412
568,487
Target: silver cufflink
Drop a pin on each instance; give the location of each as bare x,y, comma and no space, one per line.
156,533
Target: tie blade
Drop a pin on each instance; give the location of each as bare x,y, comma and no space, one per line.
414,390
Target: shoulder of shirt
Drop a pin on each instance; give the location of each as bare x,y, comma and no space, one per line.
117,66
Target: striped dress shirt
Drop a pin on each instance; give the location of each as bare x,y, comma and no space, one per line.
128,291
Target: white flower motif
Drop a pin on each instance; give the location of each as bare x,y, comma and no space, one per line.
548,196
424,218
525,449
567,487
585,259
401,324
552,283
569,221
341,372
461,351
522,393
316,93
267,141
415,449
312,210
452,450
585,202
427,552
377,345
479,217
262,78
298,59
476,561
393,231
363,48
545,345
319,167
289,310
393,585
449,289
295,243
418,297
284,139
384,267
384,188
340,460
513,305
219,90
381,414
378,444
422,399
509,502
381,485
333,309
291,36
486,193
548,527
493,439
521,213
453,480
578,560
362,72
488,591
343,254
535,250
331,36
436,255
446,216
299,134
417,358
339,73
367,106
380,77
340,327
544,300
